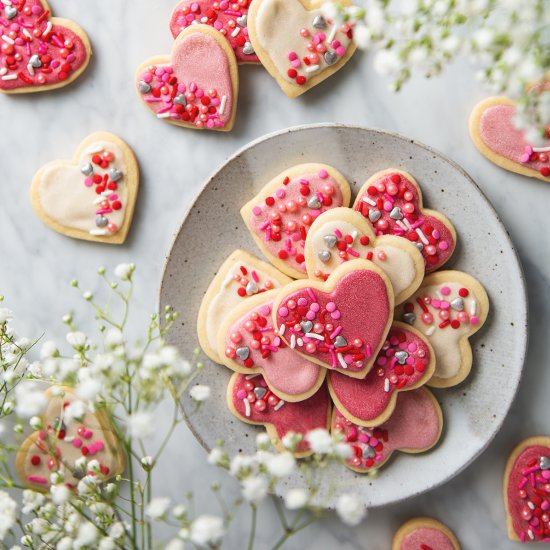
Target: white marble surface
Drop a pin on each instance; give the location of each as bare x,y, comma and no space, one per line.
37,263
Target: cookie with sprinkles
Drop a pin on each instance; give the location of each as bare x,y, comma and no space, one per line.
297,44
341,323
59,444
91,197
527,491
197,85
424,534
392,201
280,215
494,134
229,18
372,447
39,52
251,401
341,234
448,308
405,362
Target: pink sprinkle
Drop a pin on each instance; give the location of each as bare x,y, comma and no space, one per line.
302,301
37,479
113,197
445,304
292,56
323,174
192,87
338,233
315,307
474,320
283,311
331,306
288,244
233,13
335,332
388,206
103,211
340,50
241,394
87,434
77,443
257,211
88,182
264,225
304,182
368,351
436,234
265,310
443,245
99,445
445,290
353,252
296,63
311,294
522,483
335,44
254,275
276,341
333,357
310,315
280,193
363,438
336,315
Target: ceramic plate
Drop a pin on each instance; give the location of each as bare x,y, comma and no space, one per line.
475,410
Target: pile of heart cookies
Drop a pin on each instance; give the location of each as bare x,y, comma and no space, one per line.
350,319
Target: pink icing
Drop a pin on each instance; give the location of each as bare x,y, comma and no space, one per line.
431,539
396,212
282,219
367,399
351,320
60,51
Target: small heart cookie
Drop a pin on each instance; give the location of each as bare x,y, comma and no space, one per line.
58,446
405,362
197,85
239,277
372,447
448,308
527,491
250,400
39,52
341,323
280,215
341,234
424,534
93,196
297,45
392,201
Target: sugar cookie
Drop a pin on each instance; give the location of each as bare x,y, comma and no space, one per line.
424,534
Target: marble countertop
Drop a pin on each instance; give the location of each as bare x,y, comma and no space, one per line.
36,263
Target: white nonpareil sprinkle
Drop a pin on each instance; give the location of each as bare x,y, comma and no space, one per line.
222,105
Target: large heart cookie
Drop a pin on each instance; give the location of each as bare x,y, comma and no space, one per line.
250,400
93,196
392,201
527,491
296,44
197,85
340,324
229,18
341,234
280,215
58,445
424,534
372,447
39,52
494,134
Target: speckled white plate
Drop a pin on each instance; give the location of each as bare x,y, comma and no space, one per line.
475,410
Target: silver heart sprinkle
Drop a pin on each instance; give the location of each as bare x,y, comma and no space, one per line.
243,353
180,99
401,357
101,221
144,88
251,288
87,169
369,452
330,240
35,61
260,392
420,246
458,304
319,22
330,58
248,49
10,12
340,342
314,202
409,318
241,21
544,463
396,214
115,174
324,256
306,326
374,215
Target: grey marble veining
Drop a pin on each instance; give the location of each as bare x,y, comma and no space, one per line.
36,263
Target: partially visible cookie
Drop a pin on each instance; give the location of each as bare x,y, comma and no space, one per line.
424,534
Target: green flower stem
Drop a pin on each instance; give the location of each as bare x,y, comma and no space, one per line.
252,535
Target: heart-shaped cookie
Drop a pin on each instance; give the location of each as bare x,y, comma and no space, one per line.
197,85
93,196
372,447
280,215
340,324
248,343
527,491
297,45
341,234
39,52
58,446
250,400
494,134
229,18
405,362
239,277
424,534
448,308
392,201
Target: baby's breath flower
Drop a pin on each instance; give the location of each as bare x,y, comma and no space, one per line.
124,271
158,507
254,489
320,441
76,339
200,393
296,499
5,314
8,509
179,511
32,501
141,425
281,465
206,530
350,509
30,400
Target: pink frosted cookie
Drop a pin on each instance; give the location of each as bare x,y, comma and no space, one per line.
341,234
197,85
494,134
250,400
424,534
392,201
448,308
249,343
405,362
372,447
340,324
229,18
39,52
527,491
280,215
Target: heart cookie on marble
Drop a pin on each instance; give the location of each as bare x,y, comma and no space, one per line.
197,85
91,197
280,215
372,447
297,45
424,534
341,234
392,201
229,18
39,52
340,324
